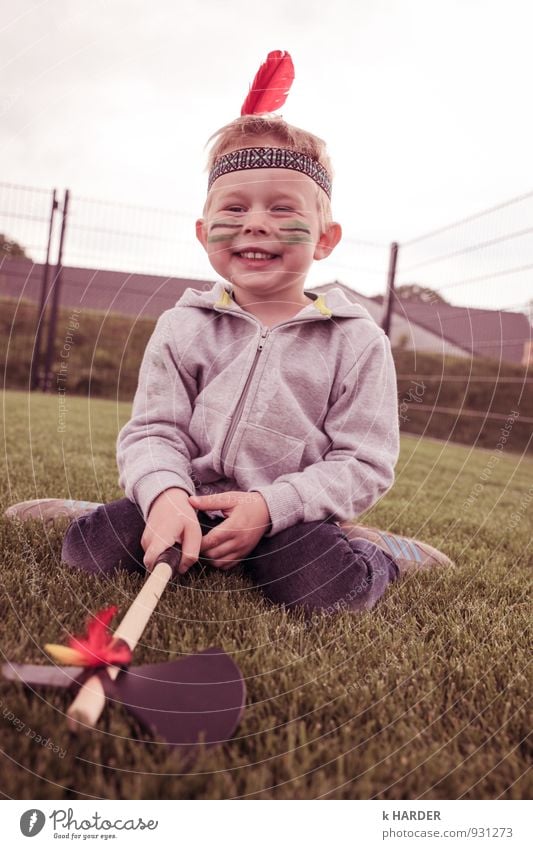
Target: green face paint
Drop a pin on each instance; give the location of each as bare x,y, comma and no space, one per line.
297,231
222,224
297,225
222,237
297,238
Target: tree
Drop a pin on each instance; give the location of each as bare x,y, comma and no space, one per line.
10,248
419,294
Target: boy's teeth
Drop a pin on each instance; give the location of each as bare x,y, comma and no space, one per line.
255,255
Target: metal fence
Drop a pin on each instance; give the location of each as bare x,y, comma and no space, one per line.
87,254
83,254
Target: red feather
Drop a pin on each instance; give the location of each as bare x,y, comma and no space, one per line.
271,84
99,646
95,648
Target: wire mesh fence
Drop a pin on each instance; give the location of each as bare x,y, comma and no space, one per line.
25,214
465,336
490,252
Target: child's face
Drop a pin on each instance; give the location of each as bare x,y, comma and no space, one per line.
271,210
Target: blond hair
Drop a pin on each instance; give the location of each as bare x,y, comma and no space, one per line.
238,132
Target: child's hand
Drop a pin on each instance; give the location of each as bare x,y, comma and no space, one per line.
172,519
231,540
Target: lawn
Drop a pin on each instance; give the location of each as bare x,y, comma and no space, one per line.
423,698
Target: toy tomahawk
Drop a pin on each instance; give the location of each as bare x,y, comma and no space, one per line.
199,697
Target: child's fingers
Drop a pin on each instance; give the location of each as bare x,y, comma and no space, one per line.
157,547
222,550
190,547
151,553
228,561
223,533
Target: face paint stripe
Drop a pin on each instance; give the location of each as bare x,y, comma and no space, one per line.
296,232
298,225
300,239
222,237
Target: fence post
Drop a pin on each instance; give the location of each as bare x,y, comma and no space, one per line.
389,297
56,287
35,369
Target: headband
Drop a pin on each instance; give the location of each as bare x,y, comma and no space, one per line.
270,157
268,92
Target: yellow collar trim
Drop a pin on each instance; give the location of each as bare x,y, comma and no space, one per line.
321,306
226,300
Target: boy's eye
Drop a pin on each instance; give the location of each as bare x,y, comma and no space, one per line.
236,208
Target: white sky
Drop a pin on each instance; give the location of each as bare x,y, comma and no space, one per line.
425,106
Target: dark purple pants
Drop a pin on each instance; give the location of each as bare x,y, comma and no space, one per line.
311,564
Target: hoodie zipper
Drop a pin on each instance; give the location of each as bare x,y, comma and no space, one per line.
262,340
240,405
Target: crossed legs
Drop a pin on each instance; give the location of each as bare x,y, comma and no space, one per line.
314,564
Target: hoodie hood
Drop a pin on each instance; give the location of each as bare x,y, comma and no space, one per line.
331,303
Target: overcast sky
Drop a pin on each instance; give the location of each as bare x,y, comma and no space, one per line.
425,106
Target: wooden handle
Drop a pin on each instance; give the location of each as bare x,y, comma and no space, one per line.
89,703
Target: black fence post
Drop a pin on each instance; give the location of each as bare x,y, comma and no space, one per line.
56,288
36,376
389,297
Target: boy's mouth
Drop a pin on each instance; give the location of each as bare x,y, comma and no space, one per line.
256,258
256,254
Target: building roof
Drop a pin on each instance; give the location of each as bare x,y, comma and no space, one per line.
478,332
481,332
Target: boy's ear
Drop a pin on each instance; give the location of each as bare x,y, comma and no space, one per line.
201,233
328,240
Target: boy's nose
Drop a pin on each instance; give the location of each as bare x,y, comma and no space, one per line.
256,222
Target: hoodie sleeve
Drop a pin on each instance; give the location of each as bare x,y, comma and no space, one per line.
154,449
358,469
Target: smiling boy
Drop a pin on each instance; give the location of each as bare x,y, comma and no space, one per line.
277,214
292,396
265,418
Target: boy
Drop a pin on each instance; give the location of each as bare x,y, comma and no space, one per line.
265,416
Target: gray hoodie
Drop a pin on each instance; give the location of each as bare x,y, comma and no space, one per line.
304,412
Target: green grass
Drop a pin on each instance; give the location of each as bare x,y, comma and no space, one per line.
424,697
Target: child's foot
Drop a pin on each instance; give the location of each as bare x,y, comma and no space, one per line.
49,509
409,554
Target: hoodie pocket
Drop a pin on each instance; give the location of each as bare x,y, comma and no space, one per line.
206,428
259,455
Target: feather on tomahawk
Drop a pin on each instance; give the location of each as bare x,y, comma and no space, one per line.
197,697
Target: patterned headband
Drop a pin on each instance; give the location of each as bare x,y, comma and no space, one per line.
270,157
268,92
